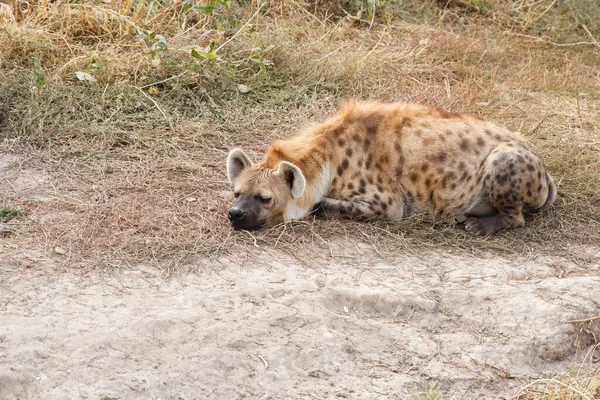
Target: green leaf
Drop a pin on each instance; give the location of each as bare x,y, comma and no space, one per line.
38,73
204,54
206,9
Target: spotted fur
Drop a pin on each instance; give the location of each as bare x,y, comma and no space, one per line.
391,160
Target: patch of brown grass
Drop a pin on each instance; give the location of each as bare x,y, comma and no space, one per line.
137,157
581,383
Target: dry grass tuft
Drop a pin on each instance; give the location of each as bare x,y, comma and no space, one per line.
581,383
136,153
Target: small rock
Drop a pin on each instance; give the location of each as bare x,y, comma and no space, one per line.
4,229
483,104
191,199
148,242
243,88
60,250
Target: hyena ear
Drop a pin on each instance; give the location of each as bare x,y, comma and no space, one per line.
237,161
294,178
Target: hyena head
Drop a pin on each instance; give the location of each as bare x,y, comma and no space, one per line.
263,195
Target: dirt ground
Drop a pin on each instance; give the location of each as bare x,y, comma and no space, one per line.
423,326
348,323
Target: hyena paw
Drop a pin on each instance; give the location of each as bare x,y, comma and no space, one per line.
479,226
319,210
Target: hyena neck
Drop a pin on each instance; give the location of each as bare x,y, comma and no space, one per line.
311,157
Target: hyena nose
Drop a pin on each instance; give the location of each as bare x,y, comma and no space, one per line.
235,214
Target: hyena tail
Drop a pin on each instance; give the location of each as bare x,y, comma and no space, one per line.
552,192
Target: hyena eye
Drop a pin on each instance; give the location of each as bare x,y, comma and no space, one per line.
264,200
236,194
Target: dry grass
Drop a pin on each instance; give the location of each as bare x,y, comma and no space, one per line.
137,157
581,383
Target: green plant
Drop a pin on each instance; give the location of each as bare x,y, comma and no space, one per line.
9,211
38,74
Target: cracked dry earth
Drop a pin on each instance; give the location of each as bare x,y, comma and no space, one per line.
354,327
347,324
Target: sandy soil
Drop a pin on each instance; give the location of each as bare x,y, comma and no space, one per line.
355,327
346,323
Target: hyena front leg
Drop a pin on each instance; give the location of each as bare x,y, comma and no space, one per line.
329,207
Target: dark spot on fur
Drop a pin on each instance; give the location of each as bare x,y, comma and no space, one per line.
369,162
399,170
539,174
427,183
529,193
370,180
453,186
424,167
356,137
341,142
530,167
349,152
356,193
340,170
379,180
363,183
337,132
384,206
345,163
376,196
427,142
441,157
404,122
462,166
480,142
445,114
520,158
539,189
371,207
413,177
366,144
397,147
350,186
497,137
362,190
464,145
360,163
372,122
488,132
502,179
380,188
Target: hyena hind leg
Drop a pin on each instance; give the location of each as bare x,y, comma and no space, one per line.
515,180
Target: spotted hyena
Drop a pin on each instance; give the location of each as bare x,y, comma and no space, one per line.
392,160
